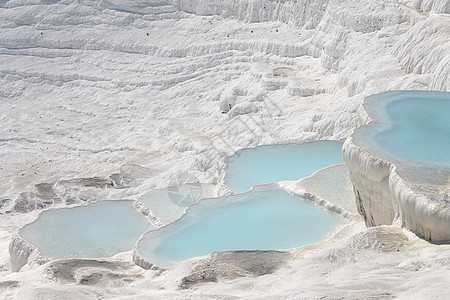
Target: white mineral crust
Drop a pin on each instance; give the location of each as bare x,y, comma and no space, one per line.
384,197
110,99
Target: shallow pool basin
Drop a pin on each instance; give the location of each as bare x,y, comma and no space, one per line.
274,163
100,229
265,218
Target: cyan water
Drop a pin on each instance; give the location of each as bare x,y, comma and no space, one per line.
275,163
420,129
265,218
101,229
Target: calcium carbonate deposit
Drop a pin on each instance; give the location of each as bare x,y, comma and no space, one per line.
114,99
400,169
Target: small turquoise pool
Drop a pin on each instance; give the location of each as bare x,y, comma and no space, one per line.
265,218
101,229
418,128
265,164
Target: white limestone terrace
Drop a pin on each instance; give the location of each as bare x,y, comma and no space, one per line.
102,229
82,237
401,190
329,187
89,88
94,108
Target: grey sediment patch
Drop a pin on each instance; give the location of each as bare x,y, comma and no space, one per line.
9,284
67,191
92,271
235,264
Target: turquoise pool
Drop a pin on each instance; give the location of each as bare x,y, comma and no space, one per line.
265,164
265,218
418,125
101,229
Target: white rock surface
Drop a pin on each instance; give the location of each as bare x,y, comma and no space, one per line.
437,6
20,252
89,88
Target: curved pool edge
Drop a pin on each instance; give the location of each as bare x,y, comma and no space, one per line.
323,204
319,201
23,252
140,261
224,189
294,253
384,197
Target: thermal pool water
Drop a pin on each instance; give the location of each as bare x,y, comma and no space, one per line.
419,125
100,229
274,163
265,218
399,162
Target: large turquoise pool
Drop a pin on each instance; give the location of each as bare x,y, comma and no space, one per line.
417,125
265,218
